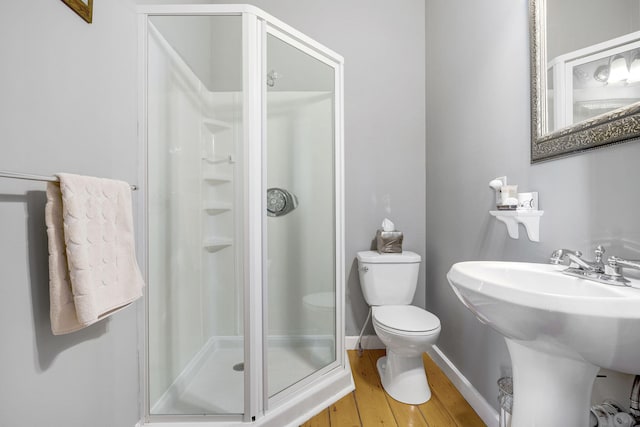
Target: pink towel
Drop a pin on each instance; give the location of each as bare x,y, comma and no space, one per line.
92,265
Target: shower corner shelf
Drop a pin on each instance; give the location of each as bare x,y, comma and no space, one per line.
214,244
215,208
216,178
530,220
216,126
218,159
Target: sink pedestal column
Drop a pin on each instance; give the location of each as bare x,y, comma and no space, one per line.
549,390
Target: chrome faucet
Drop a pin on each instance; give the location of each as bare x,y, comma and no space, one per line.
559,255
596,266
609,273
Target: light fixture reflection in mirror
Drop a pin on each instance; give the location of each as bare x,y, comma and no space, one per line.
602,73
618,71
634,69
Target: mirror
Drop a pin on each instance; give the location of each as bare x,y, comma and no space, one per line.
585,75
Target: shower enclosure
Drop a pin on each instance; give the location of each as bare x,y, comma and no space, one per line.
241,129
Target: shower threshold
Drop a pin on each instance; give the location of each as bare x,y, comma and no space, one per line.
197,390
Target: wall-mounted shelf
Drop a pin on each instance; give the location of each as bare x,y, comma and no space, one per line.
530,220
219,159
214,244
215,208
216,178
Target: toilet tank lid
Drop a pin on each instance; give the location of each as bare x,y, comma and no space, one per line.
378,258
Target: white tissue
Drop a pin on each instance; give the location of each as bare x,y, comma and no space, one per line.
388,225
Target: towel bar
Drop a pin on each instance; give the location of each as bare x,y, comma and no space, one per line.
31,177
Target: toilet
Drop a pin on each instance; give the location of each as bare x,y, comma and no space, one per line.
388,283
320,313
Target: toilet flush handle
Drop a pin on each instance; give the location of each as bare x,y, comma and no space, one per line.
364,269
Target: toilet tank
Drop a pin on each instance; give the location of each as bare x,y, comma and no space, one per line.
388,279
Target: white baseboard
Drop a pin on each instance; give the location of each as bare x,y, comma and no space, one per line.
369,342
475,399
479,404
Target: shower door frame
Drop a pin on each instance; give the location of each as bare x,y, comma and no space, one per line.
297,40
329,383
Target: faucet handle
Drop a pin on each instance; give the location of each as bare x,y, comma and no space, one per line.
599,252
621,262
614,267
558,255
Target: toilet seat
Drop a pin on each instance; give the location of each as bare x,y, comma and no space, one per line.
405,319
321,301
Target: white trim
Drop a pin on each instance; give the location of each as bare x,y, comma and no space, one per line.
300,36
479,404
327,390
254,238
339,201
237,9
369,342
302,46
264,302
267,401
142,247
196,9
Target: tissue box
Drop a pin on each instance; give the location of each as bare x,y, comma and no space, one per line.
389,242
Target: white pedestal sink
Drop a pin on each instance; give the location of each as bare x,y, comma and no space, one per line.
560,330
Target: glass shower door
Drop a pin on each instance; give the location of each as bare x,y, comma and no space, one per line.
195,212
300,223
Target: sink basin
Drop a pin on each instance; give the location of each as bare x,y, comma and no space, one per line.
560,330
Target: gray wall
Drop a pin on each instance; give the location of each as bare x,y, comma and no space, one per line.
67,103
477,119
384,54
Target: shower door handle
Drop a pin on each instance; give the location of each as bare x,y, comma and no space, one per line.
280,202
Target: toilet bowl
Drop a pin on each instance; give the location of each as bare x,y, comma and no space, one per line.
388,283
406,332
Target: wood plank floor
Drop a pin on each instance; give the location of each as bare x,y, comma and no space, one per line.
369,405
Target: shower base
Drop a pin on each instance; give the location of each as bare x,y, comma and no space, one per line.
213,383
